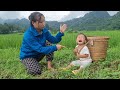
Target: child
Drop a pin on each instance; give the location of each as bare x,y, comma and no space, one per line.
81,51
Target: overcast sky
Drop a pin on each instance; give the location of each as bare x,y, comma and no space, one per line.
49,15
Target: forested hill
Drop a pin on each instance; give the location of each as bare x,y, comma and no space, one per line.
95,20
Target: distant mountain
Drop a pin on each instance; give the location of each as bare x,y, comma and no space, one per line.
91,21
11,21
53,24
73,14
114,22
23,22
97,14
1,21
95,20
77,14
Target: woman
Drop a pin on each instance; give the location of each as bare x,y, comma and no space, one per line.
34,46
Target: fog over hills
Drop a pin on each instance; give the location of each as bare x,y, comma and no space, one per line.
77,14
79,20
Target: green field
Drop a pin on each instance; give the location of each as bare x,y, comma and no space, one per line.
12,68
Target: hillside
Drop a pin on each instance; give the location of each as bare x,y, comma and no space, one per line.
95,20
91,21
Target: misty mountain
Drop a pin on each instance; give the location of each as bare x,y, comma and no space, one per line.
92,20
22,23
11,21
97,14
77,14
1,21
95,20
53,24
73,14
114,22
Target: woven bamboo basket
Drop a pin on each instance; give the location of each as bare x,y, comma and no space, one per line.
98,46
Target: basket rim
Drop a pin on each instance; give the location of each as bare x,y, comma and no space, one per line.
98,37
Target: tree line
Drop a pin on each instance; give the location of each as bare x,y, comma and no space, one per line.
10,28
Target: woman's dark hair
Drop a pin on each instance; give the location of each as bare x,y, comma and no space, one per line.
84,36
35,16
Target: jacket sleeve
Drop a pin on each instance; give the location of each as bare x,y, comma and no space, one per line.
54,39
32,42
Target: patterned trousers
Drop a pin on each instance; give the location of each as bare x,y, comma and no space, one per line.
32,64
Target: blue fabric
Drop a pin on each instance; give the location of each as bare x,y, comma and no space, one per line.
33,44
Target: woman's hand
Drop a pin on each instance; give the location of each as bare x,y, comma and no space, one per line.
59,46
63,28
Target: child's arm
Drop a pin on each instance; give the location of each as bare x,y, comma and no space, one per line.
75,51
82,55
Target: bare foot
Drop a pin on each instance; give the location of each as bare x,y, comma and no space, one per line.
68,67
75,71
63,68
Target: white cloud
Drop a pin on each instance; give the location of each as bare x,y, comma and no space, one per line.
9,14
112,12
55,15
49,15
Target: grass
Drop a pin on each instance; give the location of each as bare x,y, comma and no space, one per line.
12,68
